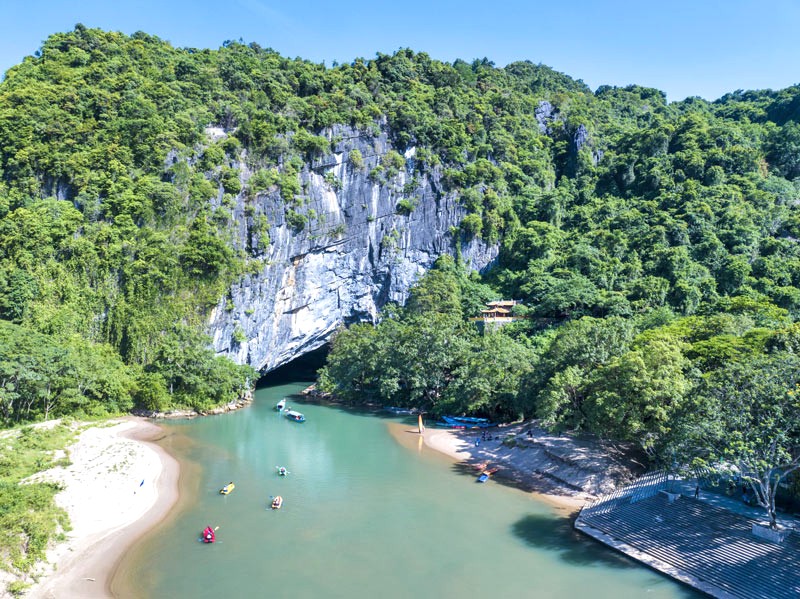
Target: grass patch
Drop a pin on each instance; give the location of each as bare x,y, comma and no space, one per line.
29,516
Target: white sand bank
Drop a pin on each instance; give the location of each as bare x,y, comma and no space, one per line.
118,485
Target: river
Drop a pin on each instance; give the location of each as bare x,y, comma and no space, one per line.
363,516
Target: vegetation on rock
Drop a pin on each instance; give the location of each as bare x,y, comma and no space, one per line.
653,245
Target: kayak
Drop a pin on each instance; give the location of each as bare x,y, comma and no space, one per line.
227,489
208,535
277,502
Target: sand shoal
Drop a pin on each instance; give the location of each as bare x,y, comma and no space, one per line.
119,484
519,467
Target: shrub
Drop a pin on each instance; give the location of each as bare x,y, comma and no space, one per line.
405,206
296,220
472,224
356,159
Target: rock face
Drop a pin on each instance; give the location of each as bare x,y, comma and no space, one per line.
544,113
359,248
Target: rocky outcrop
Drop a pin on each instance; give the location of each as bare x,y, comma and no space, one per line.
365,231
544,113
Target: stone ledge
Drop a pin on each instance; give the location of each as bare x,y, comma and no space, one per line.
763,531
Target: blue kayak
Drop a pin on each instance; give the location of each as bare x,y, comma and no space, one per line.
467,422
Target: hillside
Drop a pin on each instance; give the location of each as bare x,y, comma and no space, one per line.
134,176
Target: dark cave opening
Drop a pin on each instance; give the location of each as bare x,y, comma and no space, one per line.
302,368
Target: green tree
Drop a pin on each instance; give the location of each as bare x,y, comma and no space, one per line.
757,422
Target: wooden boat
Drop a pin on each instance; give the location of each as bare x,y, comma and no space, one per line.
484,476
277,502
295,416
209,536
281,405
226,490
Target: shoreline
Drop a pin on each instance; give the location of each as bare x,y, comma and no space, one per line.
452,443
559,470
109,508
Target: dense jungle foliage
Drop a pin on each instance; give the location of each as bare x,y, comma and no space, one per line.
654,246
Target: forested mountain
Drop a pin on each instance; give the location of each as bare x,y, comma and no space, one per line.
654,246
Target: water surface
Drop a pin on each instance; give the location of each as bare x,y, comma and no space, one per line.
363,516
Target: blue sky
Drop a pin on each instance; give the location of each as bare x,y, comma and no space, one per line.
685,48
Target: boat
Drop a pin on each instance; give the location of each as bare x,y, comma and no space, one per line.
226,490
467,422
400,411
442,424
280,405
209,536
282,471
277,502
484,476
296,416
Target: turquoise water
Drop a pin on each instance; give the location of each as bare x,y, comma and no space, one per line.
364,515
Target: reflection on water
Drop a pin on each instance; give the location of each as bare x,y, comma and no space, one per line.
557,535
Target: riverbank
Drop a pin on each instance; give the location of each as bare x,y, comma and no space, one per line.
562,470
119,484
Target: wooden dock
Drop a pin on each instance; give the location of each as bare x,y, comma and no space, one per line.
705,546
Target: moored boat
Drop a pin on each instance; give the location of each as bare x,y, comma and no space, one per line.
400,411
281,405
226,490
484,476
277,502
296,416
467,422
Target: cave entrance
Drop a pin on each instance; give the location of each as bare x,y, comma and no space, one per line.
303,368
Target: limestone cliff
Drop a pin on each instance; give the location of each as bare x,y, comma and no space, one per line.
356,251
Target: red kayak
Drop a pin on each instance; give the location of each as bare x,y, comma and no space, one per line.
208,535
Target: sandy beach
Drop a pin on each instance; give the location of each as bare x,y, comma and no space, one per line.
119,484
561,470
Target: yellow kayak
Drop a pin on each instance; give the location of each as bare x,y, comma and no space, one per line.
227,489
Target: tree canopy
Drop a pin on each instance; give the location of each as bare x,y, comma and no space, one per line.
652,245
